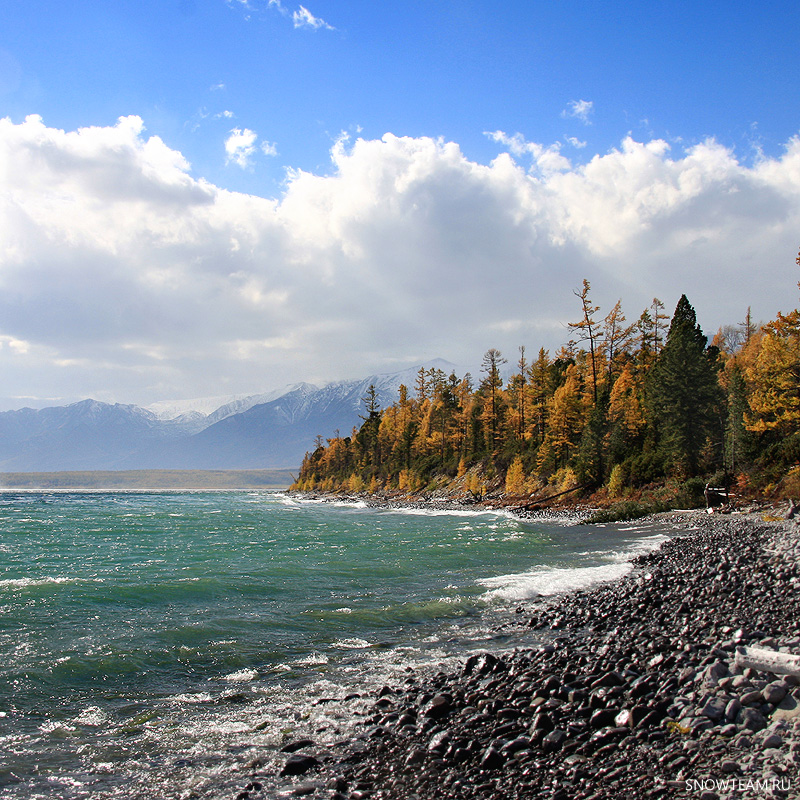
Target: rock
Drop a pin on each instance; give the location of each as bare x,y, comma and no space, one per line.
772,740
516,745
752,719
299,744
439,706
714,673
415,756
732,709
714,709
542,722
554,740
603,717
623,718
439,742
299,764
774,692
492,759
754,698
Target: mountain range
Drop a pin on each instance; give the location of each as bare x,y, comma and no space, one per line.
262,431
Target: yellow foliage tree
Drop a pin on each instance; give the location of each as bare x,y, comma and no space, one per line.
774,377
625,406
515,477
566,422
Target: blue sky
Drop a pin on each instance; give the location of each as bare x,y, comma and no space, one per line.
678,70
600,140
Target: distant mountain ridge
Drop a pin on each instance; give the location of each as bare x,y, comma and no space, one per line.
263,431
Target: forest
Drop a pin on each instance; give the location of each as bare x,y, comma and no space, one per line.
645,413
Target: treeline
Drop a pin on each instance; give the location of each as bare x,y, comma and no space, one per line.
619,406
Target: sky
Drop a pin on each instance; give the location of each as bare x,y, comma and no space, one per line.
212,197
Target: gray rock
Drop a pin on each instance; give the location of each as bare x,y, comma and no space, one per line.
753,698
714,709
732,709
773,740
752,719
715,672
774,692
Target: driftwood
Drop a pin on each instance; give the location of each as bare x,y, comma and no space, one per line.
535,505
768,660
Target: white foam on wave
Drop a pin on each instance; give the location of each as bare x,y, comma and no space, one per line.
549,581
640,546
351,644
93,716
444,512
24,583
241,676
311,660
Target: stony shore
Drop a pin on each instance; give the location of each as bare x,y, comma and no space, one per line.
629,690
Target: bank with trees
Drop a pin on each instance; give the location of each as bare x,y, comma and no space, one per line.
623,410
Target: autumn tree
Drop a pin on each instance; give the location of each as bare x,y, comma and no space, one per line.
588,330
617,336
774,377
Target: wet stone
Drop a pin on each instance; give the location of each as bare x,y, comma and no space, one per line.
299,764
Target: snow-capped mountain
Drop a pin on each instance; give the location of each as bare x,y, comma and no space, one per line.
262,431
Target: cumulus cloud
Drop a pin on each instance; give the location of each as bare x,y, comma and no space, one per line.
240,146
124,277
579,109
546,158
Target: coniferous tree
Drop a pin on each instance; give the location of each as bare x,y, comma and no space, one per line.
683,392
492,383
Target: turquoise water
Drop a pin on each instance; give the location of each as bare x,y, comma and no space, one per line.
151,644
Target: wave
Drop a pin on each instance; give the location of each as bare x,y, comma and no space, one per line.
26,583
547,581
550,581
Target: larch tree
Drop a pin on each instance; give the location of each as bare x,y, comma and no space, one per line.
588,330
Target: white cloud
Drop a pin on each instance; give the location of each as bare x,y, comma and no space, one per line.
123,277
269,148
303,18
240,146
579,109
575,142
546,159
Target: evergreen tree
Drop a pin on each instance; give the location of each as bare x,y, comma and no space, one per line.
683,392
492,383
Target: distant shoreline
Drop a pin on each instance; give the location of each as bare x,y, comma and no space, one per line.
147,480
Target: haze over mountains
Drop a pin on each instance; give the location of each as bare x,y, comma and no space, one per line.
264,431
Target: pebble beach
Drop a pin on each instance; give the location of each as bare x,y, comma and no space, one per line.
631,689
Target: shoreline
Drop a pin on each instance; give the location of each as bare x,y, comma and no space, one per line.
635,691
